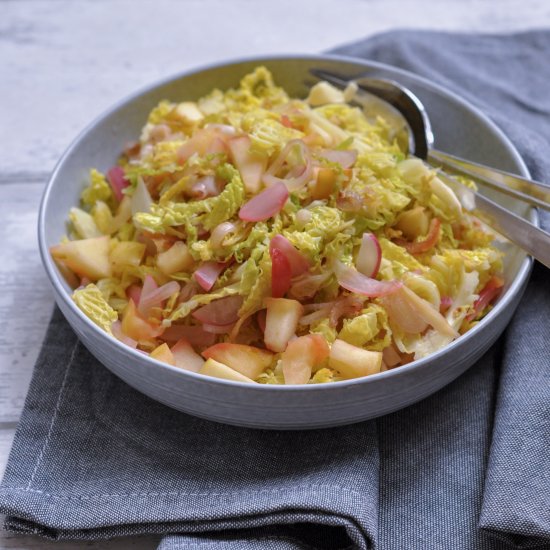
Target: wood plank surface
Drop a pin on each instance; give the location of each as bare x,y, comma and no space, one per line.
63,62
25,294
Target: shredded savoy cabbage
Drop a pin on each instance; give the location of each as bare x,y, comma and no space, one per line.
258,237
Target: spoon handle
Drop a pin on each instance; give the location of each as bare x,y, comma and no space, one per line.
531,238
530,191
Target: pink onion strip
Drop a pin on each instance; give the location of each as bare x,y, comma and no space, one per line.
265,205
369,256
207,274
224,311
350,279
218,329
134,293
156,297
220,232
315,315
195,335
204,187
118,181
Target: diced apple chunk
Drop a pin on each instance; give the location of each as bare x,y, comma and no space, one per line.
86,257
324,184
251,166
163,353
353,362
125,254
186,357
219,370
134,326
323,93
247,360
281,322
413,223
301,356
176,258
187,113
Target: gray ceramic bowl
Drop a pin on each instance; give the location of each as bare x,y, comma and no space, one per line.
459,128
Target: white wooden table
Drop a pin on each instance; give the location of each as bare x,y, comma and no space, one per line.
63,62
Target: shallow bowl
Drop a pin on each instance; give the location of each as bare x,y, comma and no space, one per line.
459,128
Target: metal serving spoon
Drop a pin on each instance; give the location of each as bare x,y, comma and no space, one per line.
416,124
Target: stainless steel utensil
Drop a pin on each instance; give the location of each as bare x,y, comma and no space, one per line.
416,121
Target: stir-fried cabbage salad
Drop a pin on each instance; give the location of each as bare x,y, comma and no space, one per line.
260,238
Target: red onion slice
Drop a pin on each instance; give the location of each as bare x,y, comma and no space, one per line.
204,187
316,315
489,292
207,274
350,279
429,242
118,181
265,205
220,232
218,329
134,293
157,297
369,256
445,303
298,175
149,286
200,143
224,311
195,335
298,262
223,128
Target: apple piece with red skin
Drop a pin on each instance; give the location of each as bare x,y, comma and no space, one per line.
369,256
299,264
247,360
85,257
281,321
281,273
301,357
353,362
186,357
216,369
251,166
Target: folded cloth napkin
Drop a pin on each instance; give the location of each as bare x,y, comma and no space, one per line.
466,468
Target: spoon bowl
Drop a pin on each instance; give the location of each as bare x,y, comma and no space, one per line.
408,114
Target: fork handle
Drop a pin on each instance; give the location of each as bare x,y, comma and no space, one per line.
530,191
526,235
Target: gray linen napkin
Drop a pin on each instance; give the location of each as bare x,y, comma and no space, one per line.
92,458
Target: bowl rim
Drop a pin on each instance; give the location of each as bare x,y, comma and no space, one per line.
59,286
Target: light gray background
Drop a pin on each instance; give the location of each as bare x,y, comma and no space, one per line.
63,62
